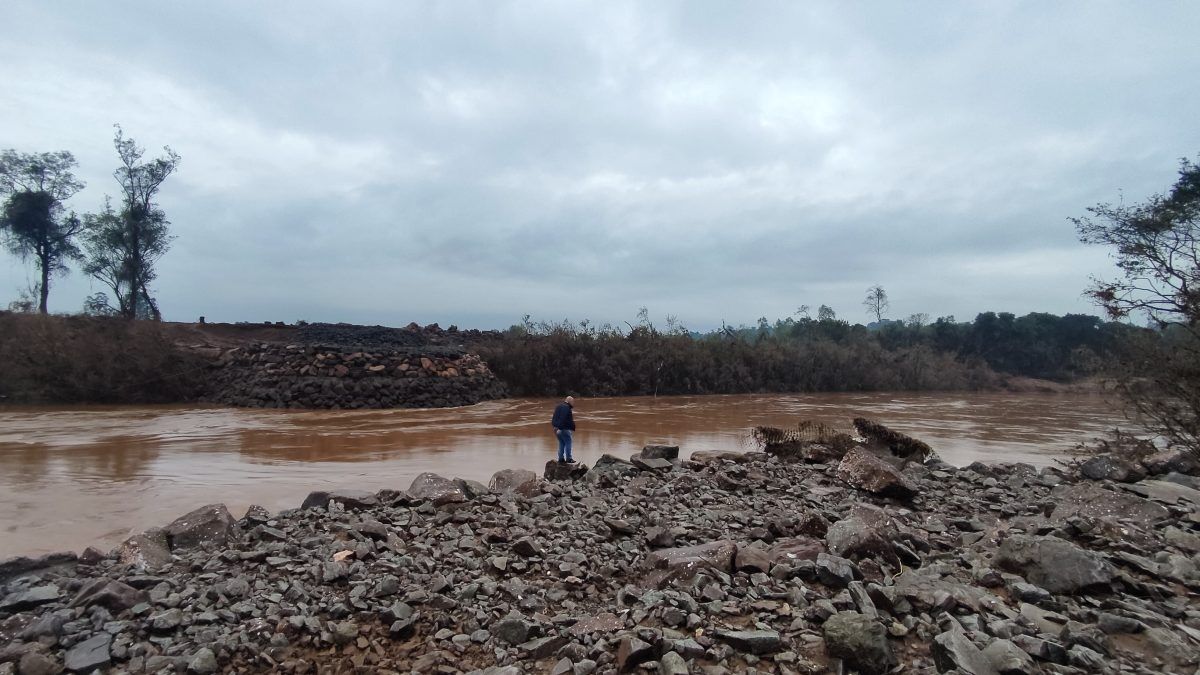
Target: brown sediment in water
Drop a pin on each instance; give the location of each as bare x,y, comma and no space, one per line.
70,477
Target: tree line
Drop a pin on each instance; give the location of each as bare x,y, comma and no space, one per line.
118,246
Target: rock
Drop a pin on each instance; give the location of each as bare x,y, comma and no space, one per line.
651,463
166,621
542,647
1008,659
667,452
859,641
1091,501
952,651
513,630
526,548
515,481
672,663
11,568
1054,564
436,489
862,470
351,500
205,527
1107,467
752,559
30,598
834,571
631,652
758,642
896,443
204,662
605,622
556,471
89,655
716,555
1175,460
113,595
854,537
34,663
148,550
791,550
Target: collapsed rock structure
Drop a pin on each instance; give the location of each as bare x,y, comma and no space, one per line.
720,562
269,375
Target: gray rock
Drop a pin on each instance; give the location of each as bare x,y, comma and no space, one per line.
1054,564
1008,659
34,663
437,490
667,452
860,641
716,555
1171,460
204,662
672,664
953,651
148,550
513,630
556,471
756,642
631,652
834,571
205,527
166,621
515,481
865,471
1107,467
651,463
114,595
30,598
91,654
351,500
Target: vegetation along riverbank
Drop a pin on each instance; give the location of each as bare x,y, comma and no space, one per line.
823,552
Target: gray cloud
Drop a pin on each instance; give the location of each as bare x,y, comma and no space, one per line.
472,162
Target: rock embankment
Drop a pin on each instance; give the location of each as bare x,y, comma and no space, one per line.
724,562
272,375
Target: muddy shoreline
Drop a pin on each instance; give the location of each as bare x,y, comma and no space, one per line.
724,562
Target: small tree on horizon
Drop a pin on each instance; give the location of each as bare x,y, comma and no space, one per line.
33,219
876,302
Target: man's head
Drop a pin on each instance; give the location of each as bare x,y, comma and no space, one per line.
570,400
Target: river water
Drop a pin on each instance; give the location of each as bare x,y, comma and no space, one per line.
73,477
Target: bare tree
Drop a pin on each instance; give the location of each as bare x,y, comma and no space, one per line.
918,320
1156,250
876,302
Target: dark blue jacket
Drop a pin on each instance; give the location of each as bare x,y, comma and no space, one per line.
564,417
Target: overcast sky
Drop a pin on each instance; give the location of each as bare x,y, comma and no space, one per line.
468,163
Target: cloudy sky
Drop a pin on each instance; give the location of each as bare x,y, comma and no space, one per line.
469,163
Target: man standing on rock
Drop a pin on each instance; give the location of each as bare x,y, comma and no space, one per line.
564,428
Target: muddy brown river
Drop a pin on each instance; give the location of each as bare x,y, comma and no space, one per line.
73,477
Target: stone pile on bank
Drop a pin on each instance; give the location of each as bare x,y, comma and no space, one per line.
272,375
724,562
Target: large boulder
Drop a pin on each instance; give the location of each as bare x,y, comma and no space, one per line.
953,651
866,533
556,471
91,655
437,490
515,481
205,527
667,452
717,555
351,500
860,641
1092,501
1054,564
865,471
1108,467
148,550
792,550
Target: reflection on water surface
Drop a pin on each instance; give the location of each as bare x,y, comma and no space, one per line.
70,477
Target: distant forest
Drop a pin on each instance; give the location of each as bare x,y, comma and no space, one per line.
804,354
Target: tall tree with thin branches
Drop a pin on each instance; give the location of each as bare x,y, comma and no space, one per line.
876,302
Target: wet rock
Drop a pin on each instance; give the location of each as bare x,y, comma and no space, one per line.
716,555
515,481
667,452
30,598
351,500
952,651
1107,467
859,641
556,471
113,595
437,490
205,527
89,655
758,642
1054,564
17,566
862,470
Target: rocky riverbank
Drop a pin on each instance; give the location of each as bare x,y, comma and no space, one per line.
797,560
